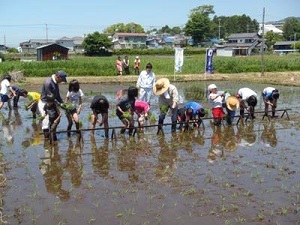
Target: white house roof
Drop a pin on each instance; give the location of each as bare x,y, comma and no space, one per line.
269,27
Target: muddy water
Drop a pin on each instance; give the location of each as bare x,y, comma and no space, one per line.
245,174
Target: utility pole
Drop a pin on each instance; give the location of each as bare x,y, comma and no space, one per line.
263,45
47,33
295,34
219,29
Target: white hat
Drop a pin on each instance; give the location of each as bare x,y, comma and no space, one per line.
137,57
211,86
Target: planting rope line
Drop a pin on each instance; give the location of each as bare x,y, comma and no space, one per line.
285,111
92,153
199,121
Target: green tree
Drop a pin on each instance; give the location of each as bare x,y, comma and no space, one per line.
96,44
176,30
235,24
199,23
134,28
291,29
272,38
12,50
297,45
124,28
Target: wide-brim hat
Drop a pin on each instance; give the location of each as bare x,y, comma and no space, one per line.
161,86
232,103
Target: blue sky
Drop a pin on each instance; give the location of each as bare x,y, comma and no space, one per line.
21,20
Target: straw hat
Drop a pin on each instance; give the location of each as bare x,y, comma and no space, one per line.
232,103
161,86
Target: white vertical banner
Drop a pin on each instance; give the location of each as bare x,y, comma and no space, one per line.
178,60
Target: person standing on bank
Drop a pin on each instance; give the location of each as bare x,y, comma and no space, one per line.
100,105
50,86
247,95
146,83
168,100
119,66
126,65
270,96
136,65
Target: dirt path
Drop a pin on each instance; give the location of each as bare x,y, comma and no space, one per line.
280,78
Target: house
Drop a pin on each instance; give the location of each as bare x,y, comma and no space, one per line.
129,40
52,52
66,42
77,44
241,44
3,48
284,47
31,45
153,43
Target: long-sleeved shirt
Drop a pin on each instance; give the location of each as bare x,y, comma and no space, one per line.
50,86
173,94
146,80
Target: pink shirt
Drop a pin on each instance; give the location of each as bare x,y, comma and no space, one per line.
141,107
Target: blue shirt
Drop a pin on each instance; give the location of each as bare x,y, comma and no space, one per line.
195,106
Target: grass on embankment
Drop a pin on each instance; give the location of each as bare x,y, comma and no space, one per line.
162,65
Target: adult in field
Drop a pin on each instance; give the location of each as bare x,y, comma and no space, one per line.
231,105
100,105
168,100
192,111
246,95
50,86
145,83
270,96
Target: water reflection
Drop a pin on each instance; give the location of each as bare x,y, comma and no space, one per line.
167,158
36,136
230,139
246,134
268,135
74,162
126,158
52,169
100,157
7,127
217,145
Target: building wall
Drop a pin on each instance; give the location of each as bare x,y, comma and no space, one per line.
47,53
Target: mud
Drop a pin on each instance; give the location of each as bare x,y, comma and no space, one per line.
241,174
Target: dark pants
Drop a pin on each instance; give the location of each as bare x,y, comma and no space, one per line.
162,117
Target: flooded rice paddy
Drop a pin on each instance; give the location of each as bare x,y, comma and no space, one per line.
245,174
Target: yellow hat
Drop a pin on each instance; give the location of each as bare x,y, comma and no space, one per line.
161,86
232,103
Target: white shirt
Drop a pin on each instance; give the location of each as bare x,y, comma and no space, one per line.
146,80
216,100
74,96
245,93
4,87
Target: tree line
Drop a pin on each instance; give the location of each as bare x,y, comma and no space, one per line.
200,27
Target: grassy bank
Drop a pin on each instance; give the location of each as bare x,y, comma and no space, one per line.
162,65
